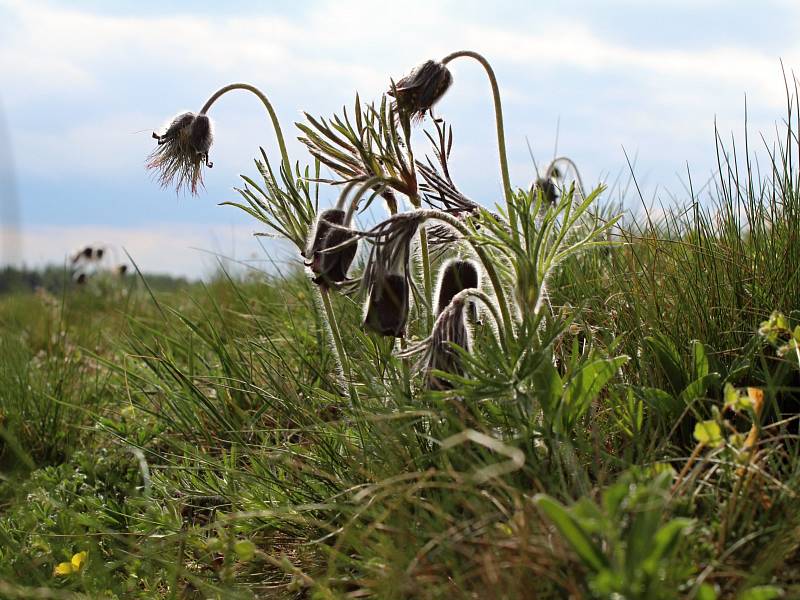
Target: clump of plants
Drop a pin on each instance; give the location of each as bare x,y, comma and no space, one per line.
493,266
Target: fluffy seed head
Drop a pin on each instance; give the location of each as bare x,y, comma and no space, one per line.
182,152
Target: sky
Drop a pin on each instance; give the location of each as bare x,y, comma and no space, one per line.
86,82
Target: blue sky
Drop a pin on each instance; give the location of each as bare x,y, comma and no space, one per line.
86,82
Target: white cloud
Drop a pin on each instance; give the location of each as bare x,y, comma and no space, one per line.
689,74
350,42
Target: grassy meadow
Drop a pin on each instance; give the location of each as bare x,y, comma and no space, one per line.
611,412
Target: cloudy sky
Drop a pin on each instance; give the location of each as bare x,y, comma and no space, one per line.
85,83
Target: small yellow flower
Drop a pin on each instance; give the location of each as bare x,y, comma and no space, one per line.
79,559
73,566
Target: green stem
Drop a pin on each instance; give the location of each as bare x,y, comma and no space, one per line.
344,363
426,276
501,137
268,105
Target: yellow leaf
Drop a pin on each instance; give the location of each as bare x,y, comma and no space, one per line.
63,569
245,550
708,433
78,560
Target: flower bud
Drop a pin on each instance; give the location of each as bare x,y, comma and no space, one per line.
417,92
456,275
328,254
548,189
387,305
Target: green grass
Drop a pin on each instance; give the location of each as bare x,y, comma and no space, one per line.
203,444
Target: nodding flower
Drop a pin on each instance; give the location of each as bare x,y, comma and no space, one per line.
548,189
417,92
386,278
83,253
450,328
329,254
182,152
455,276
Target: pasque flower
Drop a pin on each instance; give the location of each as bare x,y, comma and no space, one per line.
182,152
386,277
548,188
417,92
450,328
455,276
329,254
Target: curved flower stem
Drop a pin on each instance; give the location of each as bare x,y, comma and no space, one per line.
344,363
501,136
487,302
377,184
268,105
499,292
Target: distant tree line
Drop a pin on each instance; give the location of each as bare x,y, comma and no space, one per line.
54,278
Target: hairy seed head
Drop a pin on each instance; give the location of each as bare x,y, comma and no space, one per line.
182,152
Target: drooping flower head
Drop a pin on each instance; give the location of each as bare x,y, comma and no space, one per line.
559,176
417,92
450,329
182,152
331,249
548,188
387,280
455,276
84,254
436,352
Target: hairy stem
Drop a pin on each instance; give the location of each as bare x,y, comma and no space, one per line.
487,302
426,276
268,105
344,363
501,136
